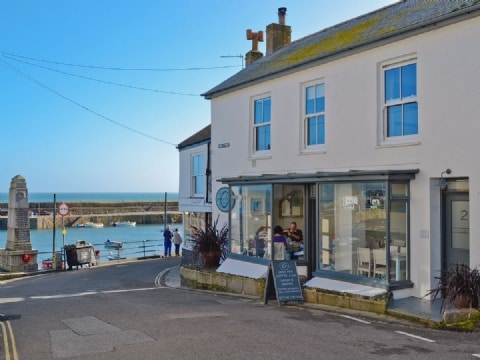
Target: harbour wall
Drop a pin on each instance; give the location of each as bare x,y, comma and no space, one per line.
142,212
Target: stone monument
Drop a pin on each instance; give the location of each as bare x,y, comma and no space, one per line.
18,254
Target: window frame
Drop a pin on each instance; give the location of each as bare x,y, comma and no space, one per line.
263,124
318,147
198,177
384,105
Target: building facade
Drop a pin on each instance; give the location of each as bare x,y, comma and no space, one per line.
195,181
363,134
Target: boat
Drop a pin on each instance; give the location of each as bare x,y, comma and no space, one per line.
112,257
79,225
93,225
113,244
125,223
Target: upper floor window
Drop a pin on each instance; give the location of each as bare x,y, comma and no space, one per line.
198,175
400,107
315,115
261,124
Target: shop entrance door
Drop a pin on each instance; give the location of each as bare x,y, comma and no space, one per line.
456,239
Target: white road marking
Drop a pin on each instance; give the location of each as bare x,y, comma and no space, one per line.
476,355
415,336
355,319
89,293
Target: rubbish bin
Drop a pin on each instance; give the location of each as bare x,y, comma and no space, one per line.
85,253
71,254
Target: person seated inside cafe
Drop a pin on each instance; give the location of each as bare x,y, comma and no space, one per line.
259,241
295,239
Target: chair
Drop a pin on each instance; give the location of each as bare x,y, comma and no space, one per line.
278,251
364,261
380,263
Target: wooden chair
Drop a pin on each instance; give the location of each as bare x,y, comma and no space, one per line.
364,261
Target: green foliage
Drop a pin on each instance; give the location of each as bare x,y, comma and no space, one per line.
458,281
210,239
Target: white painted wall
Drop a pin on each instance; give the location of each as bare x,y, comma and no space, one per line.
448,95
186,202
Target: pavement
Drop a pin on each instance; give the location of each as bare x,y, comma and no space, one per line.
413,309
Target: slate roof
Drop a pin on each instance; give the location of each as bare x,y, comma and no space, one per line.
386,24
199,137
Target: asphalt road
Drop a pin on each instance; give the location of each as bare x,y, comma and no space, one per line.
125,311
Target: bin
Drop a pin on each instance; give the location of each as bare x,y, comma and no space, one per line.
85,253
71,254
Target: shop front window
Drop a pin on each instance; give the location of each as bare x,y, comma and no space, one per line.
251,220
354,236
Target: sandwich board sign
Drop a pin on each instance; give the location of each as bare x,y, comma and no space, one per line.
282,282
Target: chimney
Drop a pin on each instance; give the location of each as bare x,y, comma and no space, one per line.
278,35
254,54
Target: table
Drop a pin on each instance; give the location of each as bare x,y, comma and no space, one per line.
398,258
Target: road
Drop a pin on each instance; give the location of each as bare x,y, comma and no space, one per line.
123,311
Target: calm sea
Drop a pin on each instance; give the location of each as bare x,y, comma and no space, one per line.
94,196
138,241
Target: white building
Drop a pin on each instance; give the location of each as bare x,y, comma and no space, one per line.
195,181
364,134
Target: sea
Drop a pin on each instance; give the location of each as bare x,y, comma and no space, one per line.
138,241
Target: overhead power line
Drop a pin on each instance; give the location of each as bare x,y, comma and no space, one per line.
13,68
118,68
98,80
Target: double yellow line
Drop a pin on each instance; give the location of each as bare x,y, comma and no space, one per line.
9,341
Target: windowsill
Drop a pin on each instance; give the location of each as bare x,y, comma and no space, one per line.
313,151
260,156
390,144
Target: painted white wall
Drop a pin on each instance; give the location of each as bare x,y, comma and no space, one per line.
447,88
186,201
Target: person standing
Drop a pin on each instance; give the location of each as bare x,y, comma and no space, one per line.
167,242
177,241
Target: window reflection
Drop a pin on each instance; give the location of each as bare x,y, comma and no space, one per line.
353,231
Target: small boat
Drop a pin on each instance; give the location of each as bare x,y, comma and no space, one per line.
93,225
113,244
125,223
80,225
112,257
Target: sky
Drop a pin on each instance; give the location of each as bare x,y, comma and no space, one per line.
96,95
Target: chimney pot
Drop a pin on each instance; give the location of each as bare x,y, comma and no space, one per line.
281,15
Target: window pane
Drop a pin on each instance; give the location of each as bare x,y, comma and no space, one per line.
250,224
310,100
409,81
398,240
394,120
266,110
410,115
263,138
399,189
258,112
311,131
321,129
392,84
320,98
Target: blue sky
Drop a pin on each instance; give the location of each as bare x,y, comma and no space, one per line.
95,95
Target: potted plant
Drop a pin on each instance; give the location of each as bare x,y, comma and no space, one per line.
459,286
210,243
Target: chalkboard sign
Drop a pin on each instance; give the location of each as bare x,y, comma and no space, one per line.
282,282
